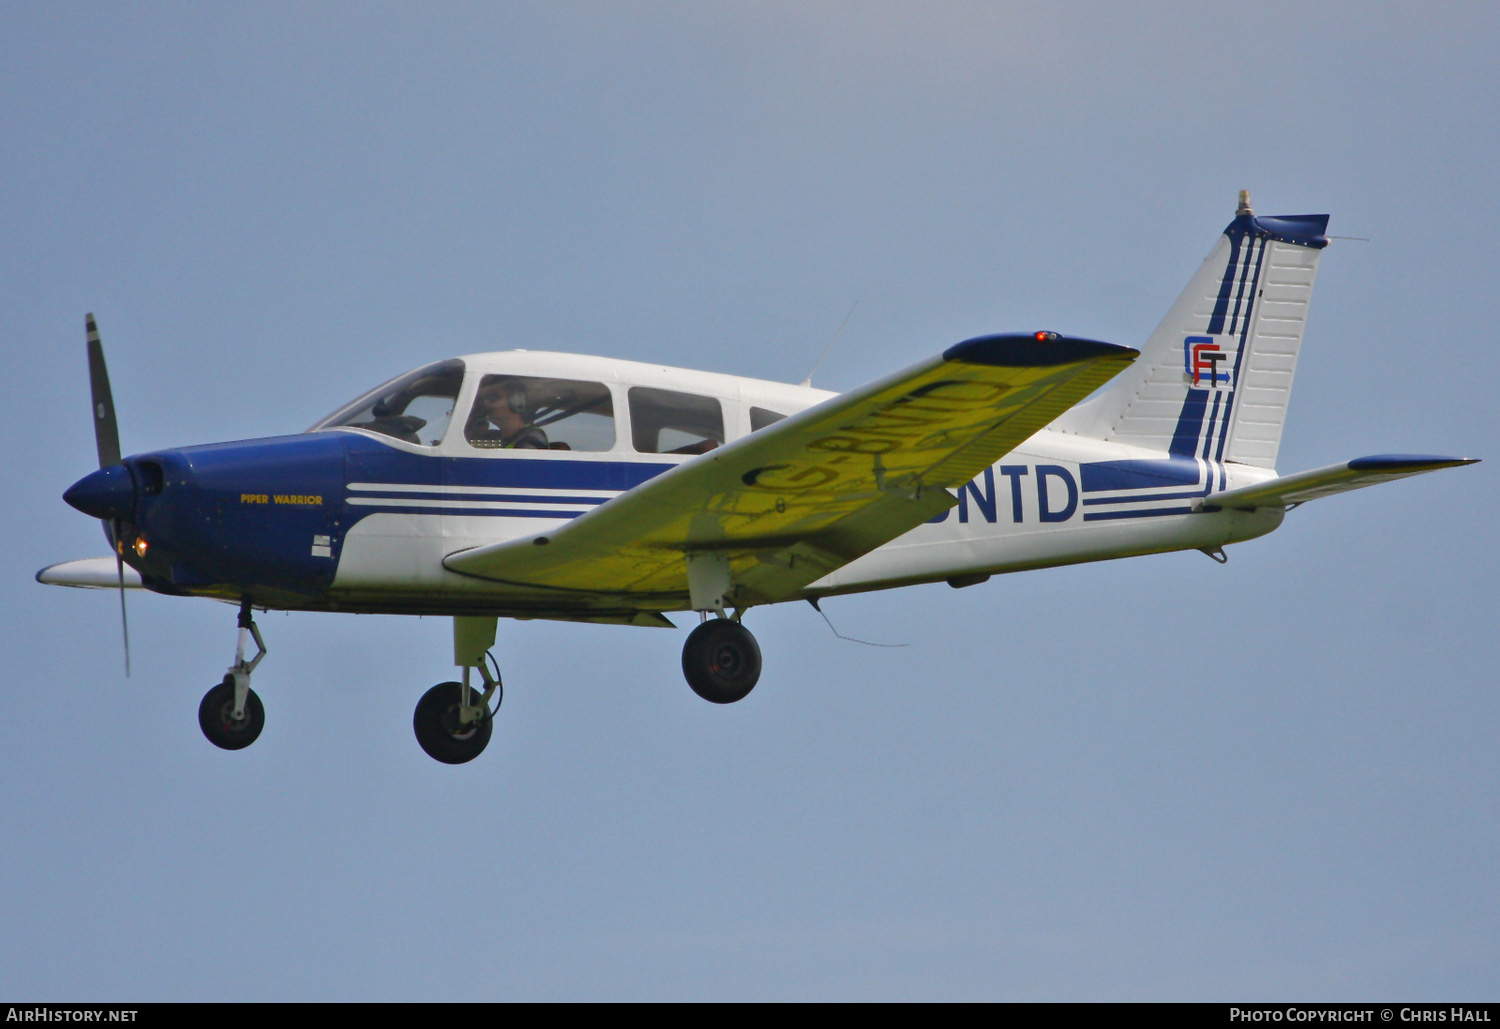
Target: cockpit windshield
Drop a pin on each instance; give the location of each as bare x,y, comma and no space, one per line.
415,408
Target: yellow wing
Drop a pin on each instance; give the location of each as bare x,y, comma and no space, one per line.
789,504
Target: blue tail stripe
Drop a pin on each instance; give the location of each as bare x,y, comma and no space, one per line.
1239,357
1189,424
1226,287
1209,435
1239,299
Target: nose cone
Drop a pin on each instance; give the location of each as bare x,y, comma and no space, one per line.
108,493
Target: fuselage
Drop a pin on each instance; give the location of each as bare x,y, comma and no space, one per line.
358,513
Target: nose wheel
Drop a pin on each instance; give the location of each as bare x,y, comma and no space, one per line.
721,661
217,718
231,715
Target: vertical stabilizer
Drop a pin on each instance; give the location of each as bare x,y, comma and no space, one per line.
1214,379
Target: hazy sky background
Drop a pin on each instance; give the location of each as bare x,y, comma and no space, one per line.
1156,778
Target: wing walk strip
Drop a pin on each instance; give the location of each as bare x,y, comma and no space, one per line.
811,493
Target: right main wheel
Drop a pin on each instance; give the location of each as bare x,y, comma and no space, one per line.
439,731
721,661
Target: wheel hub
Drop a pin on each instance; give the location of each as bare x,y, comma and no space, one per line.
728,660
227,719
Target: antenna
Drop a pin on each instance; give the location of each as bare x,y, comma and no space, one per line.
808,381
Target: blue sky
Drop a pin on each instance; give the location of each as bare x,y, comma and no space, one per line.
1156,778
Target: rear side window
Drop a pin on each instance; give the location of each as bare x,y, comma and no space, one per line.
760,418
663,421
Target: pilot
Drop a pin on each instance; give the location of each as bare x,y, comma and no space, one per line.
502,404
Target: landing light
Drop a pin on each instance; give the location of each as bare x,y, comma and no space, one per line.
141,546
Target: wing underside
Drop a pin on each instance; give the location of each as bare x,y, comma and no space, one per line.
784,506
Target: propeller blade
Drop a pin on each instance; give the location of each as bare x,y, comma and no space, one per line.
120,572
106,430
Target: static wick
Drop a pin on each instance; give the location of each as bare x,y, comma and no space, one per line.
814,602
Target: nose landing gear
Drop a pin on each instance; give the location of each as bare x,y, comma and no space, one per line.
231,715
220,724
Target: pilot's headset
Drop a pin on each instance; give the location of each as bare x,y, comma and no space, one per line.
513,391
515,396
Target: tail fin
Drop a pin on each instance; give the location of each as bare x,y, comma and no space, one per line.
1214,378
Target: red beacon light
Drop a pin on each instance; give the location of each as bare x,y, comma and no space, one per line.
1045,337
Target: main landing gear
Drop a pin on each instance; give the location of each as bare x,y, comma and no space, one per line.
231,715
453,720
721,661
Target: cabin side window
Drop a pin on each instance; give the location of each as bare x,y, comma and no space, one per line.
528,412
414,408
663,421
760,417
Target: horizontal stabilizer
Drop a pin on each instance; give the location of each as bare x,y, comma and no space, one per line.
94,573
1325,482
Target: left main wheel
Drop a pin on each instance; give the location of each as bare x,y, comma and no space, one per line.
216,717
721,661
439,731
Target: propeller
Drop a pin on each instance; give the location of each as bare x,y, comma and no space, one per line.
107,439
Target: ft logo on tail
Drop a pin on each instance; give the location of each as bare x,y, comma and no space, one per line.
1206,362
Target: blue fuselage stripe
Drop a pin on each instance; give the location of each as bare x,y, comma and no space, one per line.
1100,516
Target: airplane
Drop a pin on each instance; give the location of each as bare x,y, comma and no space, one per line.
526,484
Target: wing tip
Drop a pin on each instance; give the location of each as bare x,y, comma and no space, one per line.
1393,463
1034,350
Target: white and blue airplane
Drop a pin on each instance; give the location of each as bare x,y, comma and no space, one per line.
525,484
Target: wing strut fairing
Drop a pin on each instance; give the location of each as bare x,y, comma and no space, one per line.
794,501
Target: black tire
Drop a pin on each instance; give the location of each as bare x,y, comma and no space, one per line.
215,717
438,731
721,661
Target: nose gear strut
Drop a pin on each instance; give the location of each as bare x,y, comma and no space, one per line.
231,715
